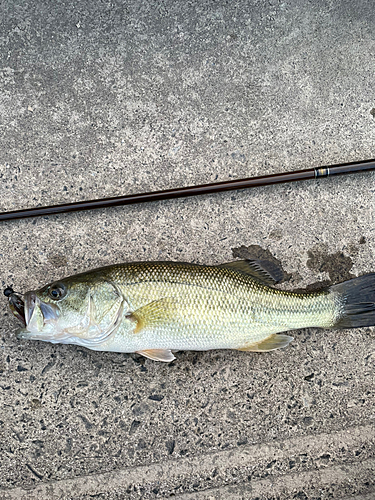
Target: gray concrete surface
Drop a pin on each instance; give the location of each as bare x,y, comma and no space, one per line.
102,98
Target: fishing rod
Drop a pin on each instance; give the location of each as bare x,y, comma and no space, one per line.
184,192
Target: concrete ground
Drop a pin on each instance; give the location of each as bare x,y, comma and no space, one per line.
106,98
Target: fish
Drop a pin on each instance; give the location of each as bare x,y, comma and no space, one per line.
158,308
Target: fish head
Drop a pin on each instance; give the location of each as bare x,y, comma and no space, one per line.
72,311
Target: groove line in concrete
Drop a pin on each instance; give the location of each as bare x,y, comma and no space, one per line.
174,470
287,485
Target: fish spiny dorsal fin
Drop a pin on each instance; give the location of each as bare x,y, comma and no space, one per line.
271,343
263,270
164,355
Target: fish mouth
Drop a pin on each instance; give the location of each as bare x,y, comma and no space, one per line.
33,313
17,306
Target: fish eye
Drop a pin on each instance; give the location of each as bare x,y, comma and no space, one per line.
57,291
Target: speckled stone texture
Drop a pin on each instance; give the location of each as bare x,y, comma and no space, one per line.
106,98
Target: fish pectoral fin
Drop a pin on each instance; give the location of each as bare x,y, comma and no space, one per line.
158,354
153,314
262,270
271,343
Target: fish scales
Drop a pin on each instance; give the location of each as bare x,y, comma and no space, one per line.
215,308
154,308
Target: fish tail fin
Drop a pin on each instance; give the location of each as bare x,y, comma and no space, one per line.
357,298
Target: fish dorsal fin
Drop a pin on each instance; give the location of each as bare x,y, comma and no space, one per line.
271,343
164,355
263,270
152,314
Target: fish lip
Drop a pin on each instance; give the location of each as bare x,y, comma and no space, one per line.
31,300
49,312
23,334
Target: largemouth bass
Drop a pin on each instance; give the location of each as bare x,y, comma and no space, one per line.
155,308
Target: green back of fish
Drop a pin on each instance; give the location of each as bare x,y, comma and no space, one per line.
186,306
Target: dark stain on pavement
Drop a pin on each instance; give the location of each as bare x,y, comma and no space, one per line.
337,265
256,252
58,260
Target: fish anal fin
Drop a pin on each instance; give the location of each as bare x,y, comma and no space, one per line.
263,270
270,343
164,355
152,314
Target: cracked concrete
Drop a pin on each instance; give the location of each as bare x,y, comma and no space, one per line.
100,99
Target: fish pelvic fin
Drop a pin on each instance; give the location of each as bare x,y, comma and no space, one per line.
164,355
270,343
153,314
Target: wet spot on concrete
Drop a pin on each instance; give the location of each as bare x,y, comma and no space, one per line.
34,472
307,420
140,409
276,234
134,426
86,422
317,286
170,446
57,260
156,397
353,249
238,156
337,265
48,367
141,444
35,404
256,252
324,459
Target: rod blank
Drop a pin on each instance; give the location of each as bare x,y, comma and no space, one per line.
265,180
